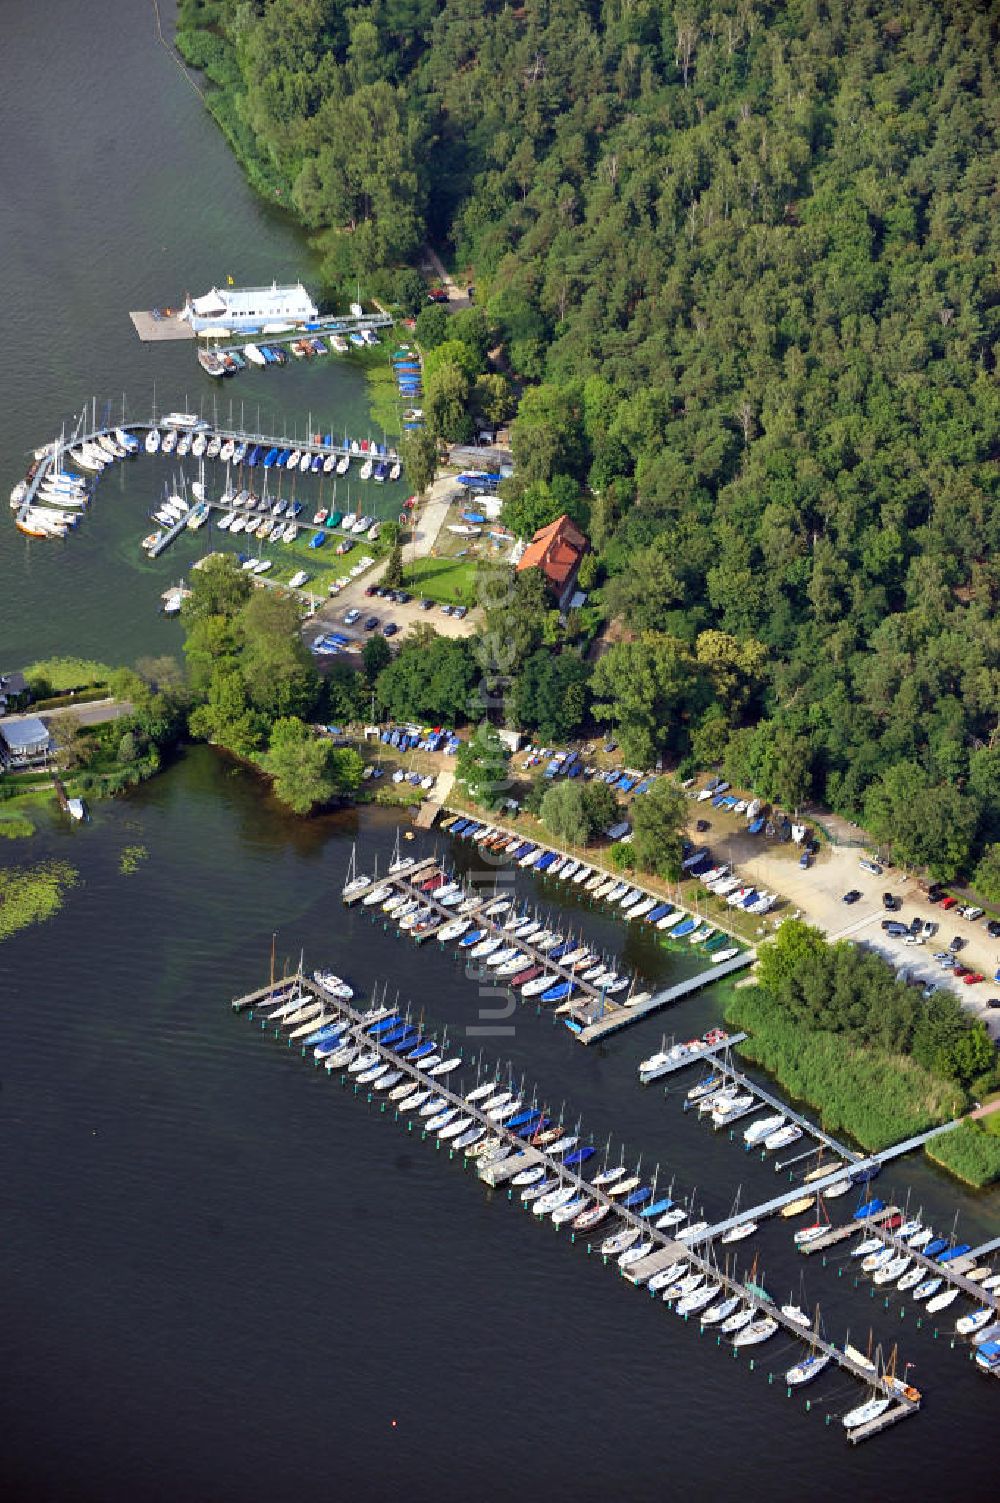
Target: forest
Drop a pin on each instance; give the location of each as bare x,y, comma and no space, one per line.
738,263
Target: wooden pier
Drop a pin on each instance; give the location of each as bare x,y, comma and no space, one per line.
986,1298
609,1018
347,325
733,1076
838,1234
694,1058
665,1249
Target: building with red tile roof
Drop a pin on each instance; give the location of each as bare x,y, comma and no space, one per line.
556,550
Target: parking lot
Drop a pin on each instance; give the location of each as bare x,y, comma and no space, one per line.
402,614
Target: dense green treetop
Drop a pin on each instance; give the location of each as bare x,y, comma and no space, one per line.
741,261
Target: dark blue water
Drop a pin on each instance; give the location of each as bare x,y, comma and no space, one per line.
223,1276
227,1276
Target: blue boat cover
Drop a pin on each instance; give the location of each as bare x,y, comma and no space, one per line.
869,1209
637,1197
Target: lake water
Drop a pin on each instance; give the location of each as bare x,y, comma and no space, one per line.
224,1276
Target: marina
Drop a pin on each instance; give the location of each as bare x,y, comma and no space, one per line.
519,1152
39,501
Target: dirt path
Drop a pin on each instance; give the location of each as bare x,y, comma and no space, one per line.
431,262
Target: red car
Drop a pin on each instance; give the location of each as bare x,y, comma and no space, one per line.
437,294
948,902
972,978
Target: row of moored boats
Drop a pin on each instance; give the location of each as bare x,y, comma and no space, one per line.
513,1140
630,901
379,462
58,496
230,362
512,945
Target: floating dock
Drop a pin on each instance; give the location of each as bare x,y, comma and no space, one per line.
664,1249
609,1017
154,327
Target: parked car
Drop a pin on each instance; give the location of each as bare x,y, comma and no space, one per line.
371,623
426,605
446,610
852,896
868,865
895,928
928,928
956,944
390,629
993,928
890,903
460,612
971,912
909,938
948,902
371,590
351,616
403,597
701,825
993,1001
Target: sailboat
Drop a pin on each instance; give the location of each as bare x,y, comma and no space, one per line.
865,1413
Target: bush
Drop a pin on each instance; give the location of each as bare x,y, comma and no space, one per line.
878,1098
970,1151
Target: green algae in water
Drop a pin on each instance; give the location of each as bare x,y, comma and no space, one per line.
15,827
132,858
31,894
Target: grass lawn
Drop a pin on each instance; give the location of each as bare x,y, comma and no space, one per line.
449,581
